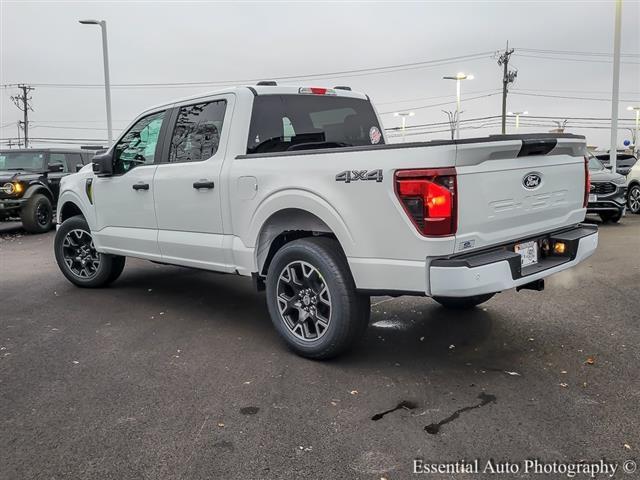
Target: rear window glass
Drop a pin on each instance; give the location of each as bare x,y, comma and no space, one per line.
283,123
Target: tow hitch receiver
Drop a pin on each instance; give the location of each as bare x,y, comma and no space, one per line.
537,285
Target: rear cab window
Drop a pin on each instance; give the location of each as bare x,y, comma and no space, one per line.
290,122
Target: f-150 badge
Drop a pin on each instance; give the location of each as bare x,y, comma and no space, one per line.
349,176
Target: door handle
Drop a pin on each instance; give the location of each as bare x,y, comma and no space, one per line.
203,184
141,186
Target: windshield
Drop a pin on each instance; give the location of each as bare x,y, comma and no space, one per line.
283,123
33,161
622,160
594,164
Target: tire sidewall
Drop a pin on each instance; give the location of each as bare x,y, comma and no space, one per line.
31,211
106,261
338,290
633,188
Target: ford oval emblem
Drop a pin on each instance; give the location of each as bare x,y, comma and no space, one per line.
531,181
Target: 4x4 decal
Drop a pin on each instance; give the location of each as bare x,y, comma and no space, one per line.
349,176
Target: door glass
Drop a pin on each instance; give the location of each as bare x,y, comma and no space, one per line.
138,146
196,135
73,160
58,161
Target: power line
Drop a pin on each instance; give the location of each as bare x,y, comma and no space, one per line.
570,97
336,74
567,59
433,105
574,52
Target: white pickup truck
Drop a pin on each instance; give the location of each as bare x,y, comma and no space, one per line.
298,188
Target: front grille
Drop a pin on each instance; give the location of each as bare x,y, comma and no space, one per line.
603,188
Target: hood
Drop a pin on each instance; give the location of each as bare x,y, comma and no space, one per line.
604,176
18,175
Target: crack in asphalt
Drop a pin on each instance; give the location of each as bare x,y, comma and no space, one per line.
485,399
404,404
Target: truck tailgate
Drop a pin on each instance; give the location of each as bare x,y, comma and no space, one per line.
512,189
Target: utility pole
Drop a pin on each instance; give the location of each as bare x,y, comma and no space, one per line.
508,77
22,102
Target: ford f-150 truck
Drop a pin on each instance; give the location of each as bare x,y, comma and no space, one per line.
299,189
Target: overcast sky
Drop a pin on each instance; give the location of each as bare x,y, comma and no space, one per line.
165,42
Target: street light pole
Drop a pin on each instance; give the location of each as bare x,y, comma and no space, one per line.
517,115
107,82
615,90
403,116
458,78
635,139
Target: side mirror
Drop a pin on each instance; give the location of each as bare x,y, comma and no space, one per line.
56,167
103,164
79,167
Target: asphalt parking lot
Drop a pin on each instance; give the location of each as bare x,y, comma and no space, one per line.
175,373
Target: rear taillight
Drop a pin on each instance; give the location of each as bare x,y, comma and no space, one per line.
587,183
429,198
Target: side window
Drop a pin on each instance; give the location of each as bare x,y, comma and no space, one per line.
138,146
196,135
73,160
58,162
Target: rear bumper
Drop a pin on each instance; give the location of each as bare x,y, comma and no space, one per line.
500,269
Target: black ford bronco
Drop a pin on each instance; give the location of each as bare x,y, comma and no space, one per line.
30,182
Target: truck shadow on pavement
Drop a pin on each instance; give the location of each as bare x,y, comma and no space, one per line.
414,331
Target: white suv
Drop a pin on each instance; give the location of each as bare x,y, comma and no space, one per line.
633,188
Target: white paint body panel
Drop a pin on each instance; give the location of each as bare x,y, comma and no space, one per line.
221,229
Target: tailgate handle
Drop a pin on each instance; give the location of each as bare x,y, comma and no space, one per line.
537,146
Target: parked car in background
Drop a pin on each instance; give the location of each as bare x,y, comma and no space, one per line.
633,189
607,194
624,162
30,181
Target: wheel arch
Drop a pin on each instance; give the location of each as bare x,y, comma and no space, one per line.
283,227
69,209
36,188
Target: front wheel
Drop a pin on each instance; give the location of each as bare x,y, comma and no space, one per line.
37,214
633,201
78,259
312,298
463,303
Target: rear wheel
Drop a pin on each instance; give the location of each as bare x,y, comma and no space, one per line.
633,201
78,259
463,303
37,214
312,298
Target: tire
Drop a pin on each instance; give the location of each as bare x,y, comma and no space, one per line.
37,214
463,303
310,277
633,199
611,217
79,261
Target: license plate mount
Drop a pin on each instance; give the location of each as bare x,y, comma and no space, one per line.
528,253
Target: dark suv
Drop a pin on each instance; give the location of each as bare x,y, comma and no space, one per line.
624,162
608,193
30,182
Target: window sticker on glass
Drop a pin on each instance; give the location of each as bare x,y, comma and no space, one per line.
374,135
